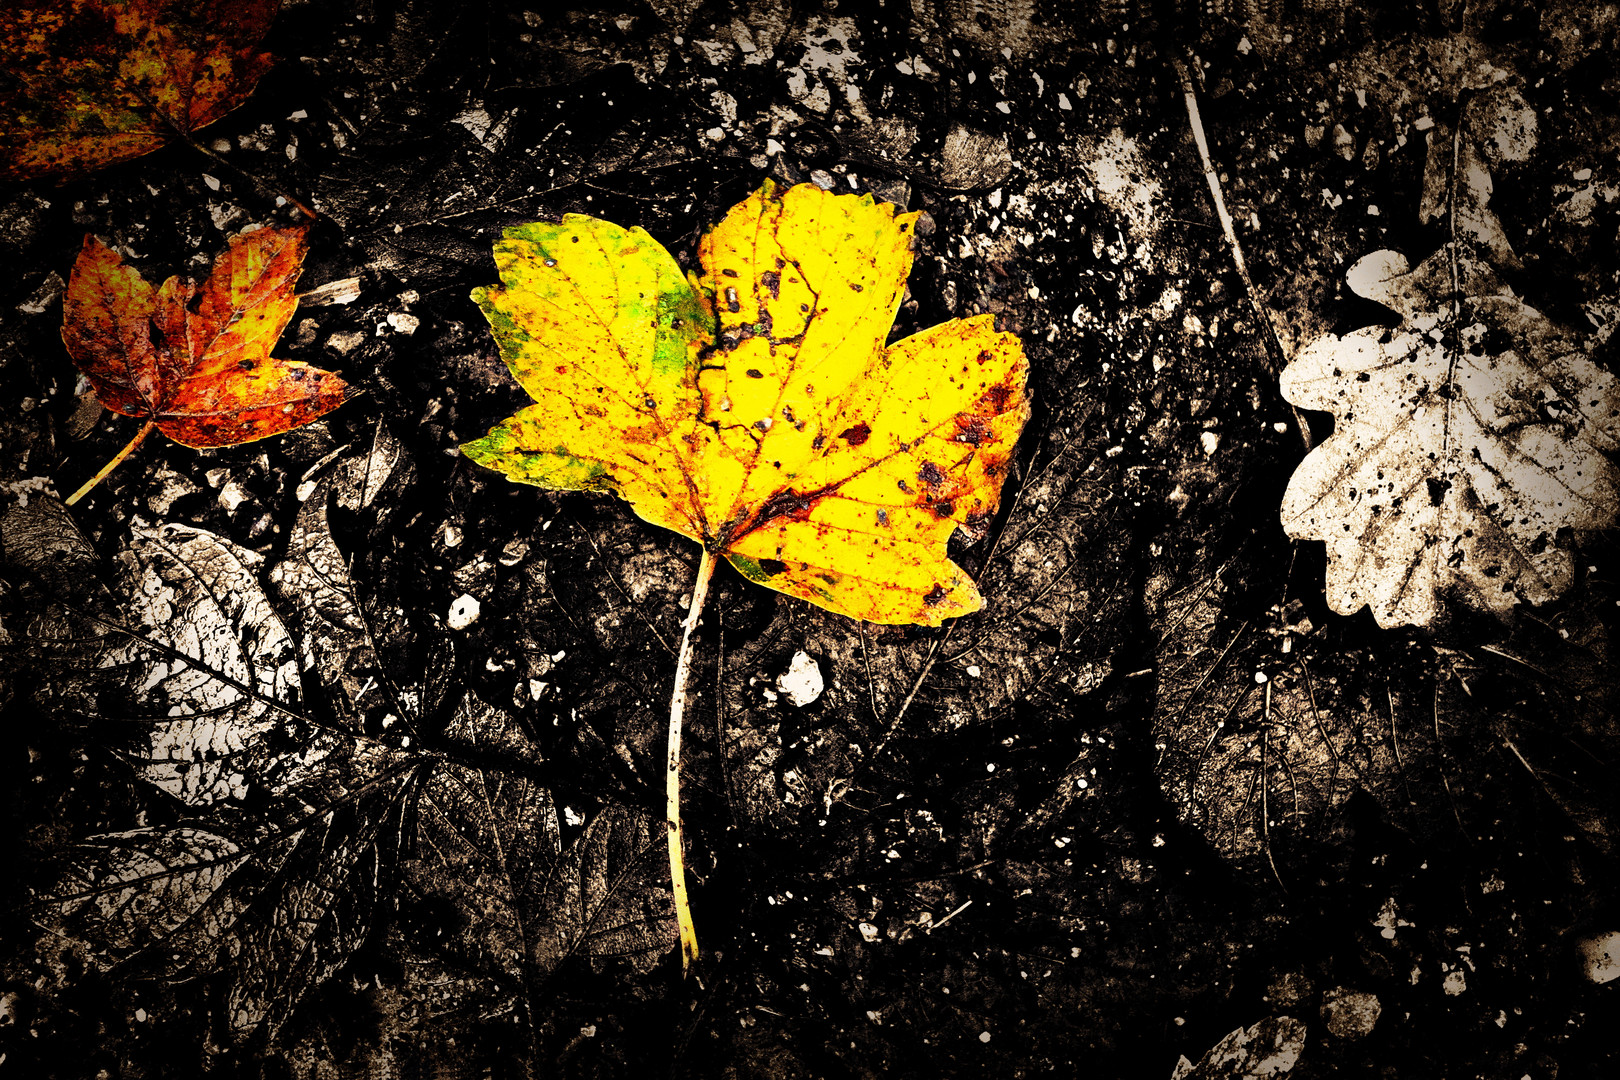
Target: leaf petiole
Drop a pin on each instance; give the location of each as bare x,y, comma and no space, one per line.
672,770
129,448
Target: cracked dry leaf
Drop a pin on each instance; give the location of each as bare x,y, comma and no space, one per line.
184,657
130,890
1269,1048
343,655
90,83
194,360
210,671
1468,439
754,407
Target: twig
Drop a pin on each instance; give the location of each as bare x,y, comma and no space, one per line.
129,448
1274,346
961,908
672,767
1265,802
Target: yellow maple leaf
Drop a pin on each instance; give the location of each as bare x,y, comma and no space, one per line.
755,407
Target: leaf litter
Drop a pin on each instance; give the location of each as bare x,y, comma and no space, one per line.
331,819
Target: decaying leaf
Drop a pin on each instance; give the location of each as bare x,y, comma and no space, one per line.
184,659
1259,750
1468,439
1269,1048
317,824
131,890
89,83
194,360
754,407
342,655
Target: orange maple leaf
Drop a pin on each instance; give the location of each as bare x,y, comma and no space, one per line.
194,360
89,83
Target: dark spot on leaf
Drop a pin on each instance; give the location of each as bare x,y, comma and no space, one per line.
731,300
1437,490
729,273
997,396
818,442
245,365
985,356
945,509
904,486
754,373
772,281
789,504
931,474
856,435
856,287
772,567
935,596
972,429
883,517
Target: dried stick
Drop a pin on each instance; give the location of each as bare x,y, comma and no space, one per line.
1275,349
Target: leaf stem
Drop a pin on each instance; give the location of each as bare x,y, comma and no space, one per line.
129,448
672,770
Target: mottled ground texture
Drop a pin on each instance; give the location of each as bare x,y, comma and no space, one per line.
1156,801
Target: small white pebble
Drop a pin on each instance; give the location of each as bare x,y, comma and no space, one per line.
403,322
801,683
463,611
984,1036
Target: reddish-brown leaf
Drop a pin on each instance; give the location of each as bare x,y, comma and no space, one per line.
194,360
89,83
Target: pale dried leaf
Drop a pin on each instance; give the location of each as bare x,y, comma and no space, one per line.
207,664
1270,1048
130,890
1468,438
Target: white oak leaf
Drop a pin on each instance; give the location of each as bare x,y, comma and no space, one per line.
1467,438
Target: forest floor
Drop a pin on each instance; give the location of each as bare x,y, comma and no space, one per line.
1154,793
